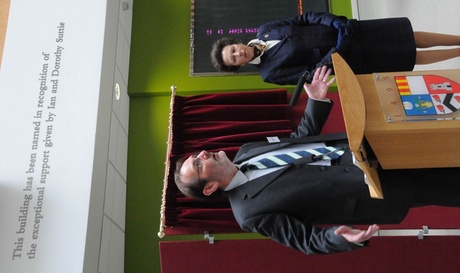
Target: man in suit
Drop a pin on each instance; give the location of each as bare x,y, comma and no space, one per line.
284,49
286,203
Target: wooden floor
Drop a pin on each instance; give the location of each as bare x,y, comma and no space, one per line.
4,11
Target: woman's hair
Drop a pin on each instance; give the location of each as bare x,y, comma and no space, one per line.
195,187
216,55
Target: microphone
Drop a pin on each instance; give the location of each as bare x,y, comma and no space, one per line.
298,89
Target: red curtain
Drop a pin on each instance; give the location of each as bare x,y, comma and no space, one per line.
221,121
225,121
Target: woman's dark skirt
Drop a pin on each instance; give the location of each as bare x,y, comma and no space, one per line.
382,45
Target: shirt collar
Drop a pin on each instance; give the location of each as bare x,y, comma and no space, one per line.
256,60
268,44
238,180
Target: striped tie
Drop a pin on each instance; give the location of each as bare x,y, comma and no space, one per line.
324,153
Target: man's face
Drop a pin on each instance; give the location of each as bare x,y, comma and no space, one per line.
237,54
215,167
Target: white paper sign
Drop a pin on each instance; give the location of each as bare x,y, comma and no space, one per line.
49,91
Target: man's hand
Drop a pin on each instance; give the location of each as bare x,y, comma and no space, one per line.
355,235
318,88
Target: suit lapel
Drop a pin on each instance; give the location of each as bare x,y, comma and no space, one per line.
272,52
252,188
317,138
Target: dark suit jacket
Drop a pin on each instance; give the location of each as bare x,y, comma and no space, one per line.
305,40
381,45
286,204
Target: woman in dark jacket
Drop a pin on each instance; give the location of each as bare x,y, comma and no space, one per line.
285,49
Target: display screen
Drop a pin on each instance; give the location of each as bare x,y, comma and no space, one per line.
215,19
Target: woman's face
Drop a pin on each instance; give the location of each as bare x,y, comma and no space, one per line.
237,54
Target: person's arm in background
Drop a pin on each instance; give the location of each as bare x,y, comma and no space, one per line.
318,106
310,18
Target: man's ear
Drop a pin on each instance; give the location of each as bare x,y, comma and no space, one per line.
210,188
